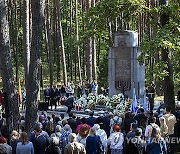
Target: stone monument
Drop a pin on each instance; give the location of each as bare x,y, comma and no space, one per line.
124,71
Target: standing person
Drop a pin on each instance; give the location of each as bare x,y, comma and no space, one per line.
87,87
93,143
91,120
3,142
156,144
54,95
40,143
69,103
82,134
65,136
79,90
24,99
74,147
83,88
136,145
14,141
47,95
140,115
73,87
152,124
63,90
53,148
94,87
102,134
69,90
116,140
163,127
151,95
72,122
170,121
24,147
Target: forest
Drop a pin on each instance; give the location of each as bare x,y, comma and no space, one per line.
46,42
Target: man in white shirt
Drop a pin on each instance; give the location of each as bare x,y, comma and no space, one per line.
170,121
149,128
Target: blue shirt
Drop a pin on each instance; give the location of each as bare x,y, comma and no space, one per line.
25,148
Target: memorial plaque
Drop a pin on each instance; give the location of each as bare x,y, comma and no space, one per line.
122,68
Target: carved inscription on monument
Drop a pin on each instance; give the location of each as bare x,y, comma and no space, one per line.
122,67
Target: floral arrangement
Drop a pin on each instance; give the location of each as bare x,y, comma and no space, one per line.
101,99
117,103
116,99
91,96
91,104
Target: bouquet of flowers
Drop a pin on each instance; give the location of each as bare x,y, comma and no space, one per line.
120,109
82,101
109,107
91,104
101,99
91,97
116,99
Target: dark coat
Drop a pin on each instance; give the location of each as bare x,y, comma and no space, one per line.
91,121
73,124
40,144
92,144
53,149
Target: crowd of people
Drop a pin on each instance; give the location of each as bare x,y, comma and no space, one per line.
132,133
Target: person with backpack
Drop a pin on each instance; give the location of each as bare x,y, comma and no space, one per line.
116,141
136,145
152,124
156,144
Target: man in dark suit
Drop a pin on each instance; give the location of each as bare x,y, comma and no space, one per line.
91,120
72,122
47,95
54,95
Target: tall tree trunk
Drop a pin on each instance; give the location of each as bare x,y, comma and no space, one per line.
62,42
7,72
26,39
89,50
49,42
71,48
169,98
94,63
35,63
77,42
83,46
16,40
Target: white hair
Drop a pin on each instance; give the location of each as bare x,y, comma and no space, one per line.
54,140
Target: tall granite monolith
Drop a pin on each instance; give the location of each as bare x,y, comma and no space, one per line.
124,71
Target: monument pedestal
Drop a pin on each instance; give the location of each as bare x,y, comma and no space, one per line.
125,72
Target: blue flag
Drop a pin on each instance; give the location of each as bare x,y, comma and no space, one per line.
134,106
